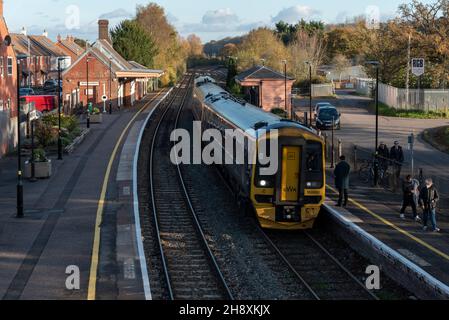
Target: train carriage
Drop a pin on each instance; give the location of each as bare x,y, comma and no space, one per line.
293,196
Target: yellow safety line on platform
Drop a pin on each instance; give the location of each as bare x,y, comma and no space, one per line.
92,289
392,225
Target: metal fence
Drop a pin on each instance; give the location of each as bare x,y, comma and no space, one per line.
436,100
318,90
361,158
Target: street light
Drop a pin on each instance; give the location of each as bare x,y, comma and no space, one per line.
19,57
59,107
310,96
376,65
376,164
87,92
290,111
110,86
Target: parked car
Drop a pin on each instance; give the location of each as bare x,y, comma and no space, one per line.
326,116
52,85
26,92
320,105
43,103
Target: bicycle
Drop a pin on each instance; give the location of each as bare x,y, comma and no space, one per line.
366,173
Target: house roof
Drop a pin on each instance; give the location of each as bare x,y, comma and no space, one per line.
38,46
70,45
261,73
121,68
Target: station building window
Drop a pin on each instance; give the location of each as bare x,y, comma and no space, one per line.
9,66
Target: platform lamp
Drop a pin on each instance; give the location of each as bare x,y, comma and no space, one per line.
110,85
20,214
87,91
59,107
290,111
376,64
310,96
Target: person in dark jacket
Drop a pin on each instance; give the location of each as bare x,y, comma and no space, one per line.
397,157
341,174
409,189
383,155
428,199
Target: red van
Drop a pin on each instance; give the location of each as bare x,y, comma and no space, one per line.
41,103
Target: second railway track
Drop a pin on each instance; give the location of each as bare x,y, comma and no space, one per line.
189,267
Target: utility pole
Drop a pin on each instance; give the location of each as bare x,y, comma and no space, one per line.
407,81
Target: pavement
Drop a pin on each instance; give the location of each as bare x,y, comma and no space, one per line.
57,235
375,209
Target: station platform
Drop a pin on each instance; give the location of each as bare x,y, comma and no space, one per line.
377,212
81,217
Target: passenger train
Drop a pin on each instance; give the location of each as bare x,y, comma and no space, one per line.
290,199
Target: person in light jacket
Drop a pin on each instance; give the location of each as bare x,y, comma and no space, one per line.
428,199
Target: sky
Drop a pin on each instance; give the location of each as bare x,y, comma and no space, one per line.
209,19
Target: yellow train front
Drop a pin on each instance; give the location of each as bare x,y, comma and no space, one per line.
292,197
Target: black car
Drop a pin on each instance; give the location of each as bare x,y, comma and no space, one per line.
328,116
52,85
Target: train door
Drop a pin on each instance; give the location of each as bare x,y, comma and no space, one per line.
291,159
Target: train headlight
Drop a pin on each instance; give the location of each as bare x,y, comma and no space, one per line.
263,183
313,185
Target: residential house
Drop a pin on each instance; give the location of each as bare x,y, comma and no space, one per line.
42,61
70,47
8,89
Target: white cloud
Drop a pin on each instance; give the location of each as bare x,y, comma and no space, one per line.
220,17
295,13
118,13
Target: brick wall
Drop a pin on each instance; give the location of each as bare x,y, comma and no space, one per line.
98,74
273,94
8,95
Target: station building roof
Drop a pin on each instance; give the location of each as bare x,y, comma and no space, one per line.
260,73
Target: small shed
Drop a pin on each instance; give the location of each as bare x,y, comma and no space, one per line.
266,88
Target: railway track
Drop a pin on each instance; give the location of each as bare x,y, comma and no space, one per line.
188,266
322,273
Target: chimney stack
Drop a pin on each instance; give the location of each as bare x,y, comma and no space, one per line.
103,30
24,31
45,34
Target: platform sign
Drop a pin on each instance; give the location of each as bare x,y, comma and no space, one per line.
418,65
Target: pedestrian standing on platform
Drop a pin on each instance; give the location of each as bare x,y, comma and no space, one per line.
409,188
341,175
397,156
428,199
383,155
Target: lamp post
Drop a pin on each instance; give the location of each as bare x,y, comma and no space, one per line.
376,164
87,91
290,113
20,214
310,96
110,86
376,65
59,108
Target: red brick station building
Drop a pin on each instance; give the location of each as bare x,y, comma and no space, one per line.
110,75
95,72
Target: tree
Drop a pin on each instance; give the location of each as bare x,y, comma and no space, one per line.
172,53
132,42
228,50
261,44
341,63
195,46
306,47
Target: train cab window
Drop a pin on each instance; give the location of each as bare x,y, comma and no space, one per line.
314,157
314,165
263,181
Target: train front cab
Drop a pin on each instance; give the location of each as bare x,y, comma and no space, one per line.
292,198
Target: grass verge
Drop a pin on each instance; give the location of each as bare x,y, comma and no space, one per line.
438,138
387,111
